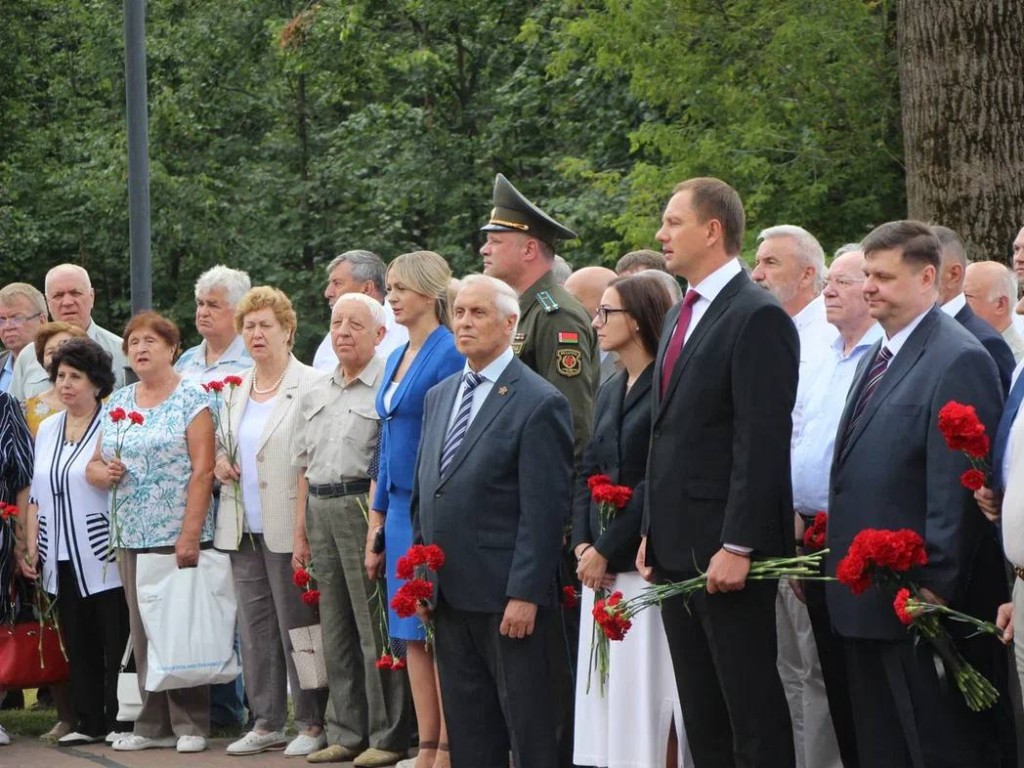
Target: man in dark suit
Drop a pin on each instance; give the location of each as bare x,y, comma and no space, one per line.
893,470
494,476
718,481
952,271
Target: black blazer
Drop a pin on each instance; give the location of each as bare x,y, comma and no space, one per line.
718,467
499,512
992,341
617,448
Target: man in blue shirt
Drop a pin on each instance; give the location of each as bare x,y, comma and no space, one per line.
22,311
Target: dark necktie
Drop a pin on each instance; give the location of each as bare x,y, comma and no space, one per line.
460,426
1003,432
874,377
675,344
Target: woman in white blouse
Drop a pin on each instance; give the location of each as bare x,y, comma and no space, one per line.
68,531
261,521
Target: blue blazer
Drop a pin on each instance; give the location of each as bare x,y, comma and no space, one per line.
401,425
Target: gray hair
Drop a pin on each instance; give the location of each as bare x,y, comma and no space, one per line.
671,284
375,307
505,298
73,268
808,248
952,245
560,269
365,266
842,250
234,282
25,291
1005,283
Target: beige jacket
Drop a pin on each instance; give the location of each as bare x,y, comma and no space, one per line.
278,479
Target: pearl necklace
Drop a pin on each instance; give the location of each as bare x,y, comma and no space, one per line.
274,386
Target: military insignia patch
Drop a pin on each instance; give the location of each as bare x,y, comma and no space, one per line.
568,337
568,362
518,342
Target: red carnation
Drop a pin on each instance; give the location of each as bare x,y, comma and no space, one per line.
385,661
301,577
7,511
972,479
418,589
417,554
963,430
233,381
404,569
434,556
397,664
118,414
311,597
595,481
569,597
814,537
614,495
215,386
403,605
900,605
135,417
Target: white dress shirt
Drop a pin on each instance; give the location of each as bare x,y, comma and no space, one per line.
1013,500
817,336
954,305
898,339
708,290
814,442
490,374
395,336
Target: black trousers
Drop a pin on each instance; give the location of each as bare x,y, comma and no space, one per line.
906,716
496,691
833,671
95,631
724,653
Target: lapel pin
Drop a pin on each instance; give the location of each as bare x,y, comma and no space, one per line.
503,390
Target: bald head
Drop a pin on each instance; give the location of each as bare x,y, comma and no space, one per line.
991,290
587,285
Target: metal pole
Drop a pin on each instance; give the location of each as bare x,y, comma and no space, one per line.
138,154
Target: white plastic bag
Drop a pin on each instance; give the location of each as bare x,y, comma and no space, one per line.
189,616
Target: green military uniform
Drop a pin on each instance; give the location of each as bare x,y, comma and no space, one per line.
555,339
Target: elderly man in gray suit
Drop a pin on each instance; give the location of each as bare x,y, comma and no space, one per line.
892,469
493,490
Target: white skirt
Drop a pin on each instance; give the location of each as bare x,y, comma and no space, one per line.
628,726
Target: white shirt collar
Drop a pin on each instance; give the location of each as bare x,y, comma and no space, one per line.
495,368
813,312
871,335
895,344
712,285
955,304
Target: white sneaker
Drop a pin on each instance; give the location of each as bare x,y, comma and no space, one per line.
191,743
304,744
116,735
4,738
253,743
133,743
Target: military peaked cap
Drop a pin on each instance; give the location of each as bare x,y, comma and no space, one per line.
514,213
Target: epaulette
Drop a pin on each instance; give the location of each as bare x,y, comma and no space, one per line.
547,302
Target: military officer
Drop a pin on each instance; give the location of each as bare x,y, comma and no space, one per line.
554,336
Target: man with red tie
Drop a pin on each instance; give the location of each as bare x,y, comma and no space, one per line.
718,481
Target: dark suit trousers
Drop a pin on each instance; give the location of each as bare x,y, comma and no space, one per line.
907,717
724,653
833,671
496,691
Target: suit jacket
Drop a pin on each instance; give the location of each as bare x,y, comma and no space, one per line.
500,510
718,467
402,423
617,448
992,341
277,477
895,471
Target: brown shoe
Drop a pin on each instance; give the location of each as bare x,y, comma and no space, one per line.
334,753
377,758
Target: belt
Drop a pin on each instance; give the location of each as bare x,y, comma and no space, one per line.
333,490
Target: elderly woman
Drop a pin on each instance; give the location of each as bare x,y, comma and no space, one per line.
261,509
369,706
222,351
49,337
164,476
68,528
418,293
625,722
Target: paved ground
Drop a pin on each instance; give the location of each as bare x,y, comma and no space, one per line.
29,752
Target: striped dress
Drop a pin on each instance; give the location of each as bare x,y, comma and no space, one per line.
15,474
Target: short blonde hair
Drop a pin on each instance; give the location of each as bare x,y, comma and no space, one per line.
48,330
428,274
266,297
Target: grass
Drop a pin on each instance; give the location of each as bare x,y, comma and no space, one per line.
28,722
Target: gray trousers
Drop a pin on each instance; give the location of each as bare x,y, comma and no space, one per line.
182,711
368,706
269,604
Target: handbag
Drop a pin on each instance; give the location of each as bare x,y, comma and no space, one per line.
31,655
129,696
308,655
189,618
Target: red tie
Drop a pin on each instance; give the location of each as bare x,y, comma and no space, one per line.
675,344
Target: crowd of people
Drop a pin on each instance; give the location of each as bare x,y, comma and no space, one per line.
471,414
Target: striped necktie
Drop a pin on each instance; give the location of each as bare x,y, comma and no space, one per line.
460,426
874,377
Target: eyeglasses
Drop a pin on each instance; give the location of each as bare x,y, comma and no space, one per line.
841,282
15,320
603,312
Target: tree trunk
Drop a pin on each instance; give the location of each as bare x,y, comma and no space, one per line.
961,70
